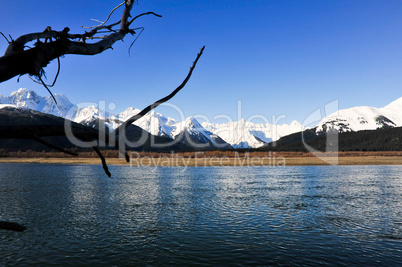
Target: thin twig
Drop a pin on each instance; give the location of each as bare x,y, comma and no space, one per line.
103,23
47,89
167,98
140,15
5,38
138,35
89,27
58,72
55,78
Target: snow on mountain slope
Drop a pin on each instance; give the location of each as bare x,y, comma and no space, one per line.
24,98
192,132
244,134
85,114
156,124
192,127
363,118
240,134
393,111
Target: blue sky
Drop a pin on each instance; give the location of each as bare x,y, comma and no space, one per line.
278,57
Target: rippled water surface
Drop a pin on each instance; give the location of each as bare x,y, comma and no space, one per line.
335,215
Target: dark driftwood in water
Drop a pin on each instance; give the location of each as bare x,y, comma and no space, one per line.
13,226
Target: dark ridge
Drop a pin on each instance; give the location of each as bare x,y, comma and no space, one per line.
384,139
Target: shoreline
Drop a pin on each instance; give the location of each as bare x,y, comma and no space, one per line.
219,161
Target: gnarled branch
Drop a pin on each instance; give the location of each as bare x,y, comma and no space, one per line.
18,60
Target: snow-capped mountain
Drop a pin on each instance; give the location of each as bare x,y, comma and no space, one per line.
24,98
363,118
154,123
245,134
194,134
238,134
189,131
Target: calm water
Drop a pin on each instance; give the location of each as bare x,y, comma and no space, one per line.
201,215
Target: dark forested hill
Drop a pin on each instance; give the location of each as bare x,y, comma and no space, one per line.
388,139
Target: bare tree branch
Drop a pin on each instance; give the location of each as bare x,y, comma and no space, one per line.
143,14
18,60
103,23
138,35
126,14
29,124
163,100
50,92
104,165
5,38
55,78
123,126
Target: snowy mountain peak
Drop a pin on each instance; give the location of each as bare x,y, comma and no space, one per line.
295,124
129,112
25,98
363,118
155,123
394,105
193,123
22,92
190,125
191,132
238,134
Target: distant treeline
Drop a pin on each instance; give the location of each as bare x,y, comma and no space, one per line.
387,139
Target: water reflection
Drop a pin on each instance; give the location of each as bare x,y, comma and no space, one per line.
202,215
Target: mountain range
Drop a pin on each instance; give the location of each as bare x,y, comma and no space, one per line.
240,134
233,134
